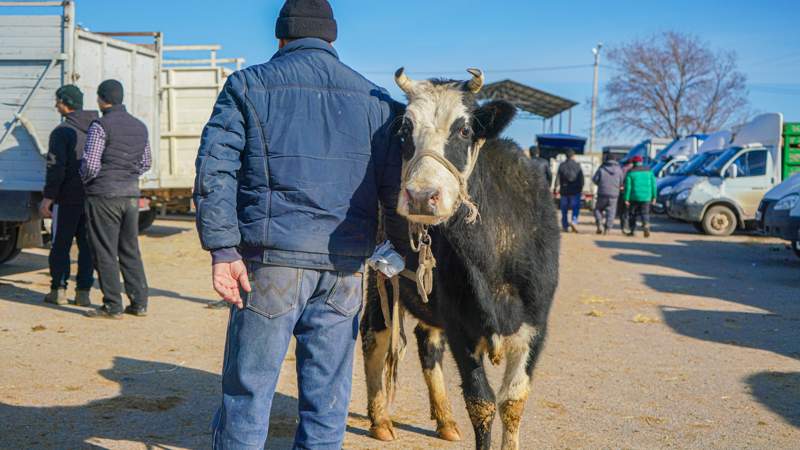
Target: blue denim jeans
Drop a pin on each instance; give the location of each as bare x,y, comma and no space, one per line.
321,309
570,202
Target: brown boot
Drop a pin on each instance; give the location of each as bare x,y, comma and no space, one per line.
56,297
82,298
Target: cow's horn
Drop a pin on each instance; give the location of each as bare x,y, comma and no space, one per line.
476,83
406,84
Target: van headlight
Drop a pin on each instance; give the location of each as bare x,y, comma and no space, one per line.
787,202
667,190
683,195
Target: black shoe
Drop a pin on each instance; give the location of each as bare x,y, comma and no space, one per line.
573,228
599,230
630,234
137,311
605,231
103,313
647,232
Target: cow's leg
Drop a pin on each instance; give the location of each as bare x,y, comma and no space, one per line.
521,351
375,345
430,342
478,394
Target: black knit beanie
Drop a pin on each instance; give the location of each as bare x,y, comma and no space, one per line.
306,18
71,96
111,91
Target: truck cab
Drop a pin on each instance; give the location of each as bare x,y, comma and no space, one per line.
727,193
647,149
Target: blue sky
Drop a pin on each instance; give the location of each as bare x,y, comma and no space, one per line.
445,37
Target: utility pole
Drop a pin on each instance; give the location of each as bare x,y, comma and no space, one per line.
596,52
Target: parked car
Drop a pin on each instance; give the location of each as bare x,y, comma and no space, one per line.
666,185
727,194
774,214
794,225
669,166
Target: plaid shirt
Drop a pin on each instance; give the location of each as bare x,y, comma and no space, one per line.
93,154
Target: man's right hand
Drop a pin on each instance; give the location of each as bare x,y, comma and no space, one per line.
45,208
228,278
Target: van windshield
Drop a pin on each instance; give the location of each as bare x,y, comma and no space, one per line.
714,169
697,162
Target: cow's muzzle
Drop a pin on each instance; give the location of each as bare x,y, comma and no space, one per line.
422,202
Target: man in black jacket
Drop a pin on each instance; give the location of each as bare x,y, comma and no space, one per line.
116,154
64,198
569,180
542,164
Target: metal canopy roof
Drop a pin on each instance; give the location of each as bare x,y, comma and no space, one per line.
526,98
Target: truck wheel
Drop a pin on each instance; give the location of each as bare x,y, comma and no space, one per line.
719,221
146,219
8,246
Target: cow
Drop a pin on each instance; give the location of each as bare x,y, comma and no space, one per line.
492,228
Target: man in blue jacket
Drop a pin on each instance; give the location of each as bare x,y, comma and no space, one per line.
291,169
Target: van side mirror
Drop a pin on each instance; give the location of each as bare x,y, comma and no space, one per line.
732,171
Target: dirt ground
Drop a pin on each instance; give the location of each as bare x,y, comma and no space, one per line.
680,341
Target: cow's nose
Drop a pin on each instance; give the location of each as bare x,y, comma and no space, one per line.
422,201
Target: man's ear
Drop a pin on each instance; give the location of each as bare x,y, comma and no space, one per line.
491,119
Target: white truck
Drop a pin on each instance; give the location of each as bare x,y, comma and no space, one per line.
189,88
727,193
39,54
173,97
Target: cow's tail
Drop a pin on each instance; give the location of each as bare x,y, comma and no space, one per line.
397,335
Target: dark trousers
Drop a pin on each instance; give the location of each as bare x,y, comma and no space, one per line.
114,237
605,211
69,223
570,203
639,210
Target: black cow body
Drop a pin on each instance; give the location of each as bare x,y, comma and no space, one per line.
493,286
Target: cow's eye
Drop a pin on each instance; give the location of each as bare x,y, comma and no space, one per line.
465,132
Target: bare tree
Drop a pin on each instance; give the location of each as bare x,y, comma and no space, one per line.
672,85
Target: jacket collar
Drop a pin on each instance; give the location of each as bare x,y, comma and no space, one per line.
114,108
307,44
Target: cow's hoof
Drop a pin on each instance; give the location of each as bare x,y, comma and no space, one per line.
383,432
449,432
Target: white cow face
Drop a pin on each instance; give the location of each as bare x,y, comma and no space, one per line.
443,130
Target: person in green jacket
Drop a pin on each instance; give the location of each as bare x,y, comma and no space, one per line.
640,193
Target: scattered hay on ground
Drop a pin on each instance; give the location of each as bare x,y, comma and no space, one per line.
641,318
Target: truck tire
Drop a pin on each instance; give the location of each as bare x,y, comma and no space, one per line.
146,219
719,221
8,246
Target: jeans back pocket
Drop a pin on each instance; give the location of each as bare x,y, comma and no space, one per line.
347,294
274,289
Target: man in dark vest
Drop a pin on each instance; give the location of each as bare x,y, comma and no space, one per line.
64,198
117,153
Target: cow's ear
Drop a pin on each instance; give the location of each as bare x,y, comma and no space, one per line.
492,118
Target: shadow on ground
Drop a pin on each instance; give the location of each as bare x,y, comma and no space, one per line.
778,391
161,231
764,278
158,405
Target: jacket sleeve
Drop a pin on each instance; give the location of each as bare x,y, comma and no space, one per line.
388,145
653,187
56,163
596,177
548,174
217,165
580,180
627,197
